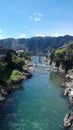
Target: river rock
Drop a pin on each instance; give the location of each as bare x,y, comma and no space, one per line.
66,91
68,119
69,76
69,92
70,95
2,98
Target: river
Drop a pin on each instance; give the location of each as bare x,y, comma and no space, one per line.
39,105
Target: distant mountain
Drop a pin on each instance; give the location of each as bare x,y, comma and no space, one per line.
36,44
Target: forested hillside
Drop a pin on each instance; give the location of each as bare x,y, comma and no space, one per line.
36,44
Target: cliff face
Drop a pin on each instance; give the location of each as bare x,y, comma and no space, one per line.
63,57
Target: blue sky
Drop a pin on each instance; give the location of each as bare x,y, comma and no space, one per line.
28,18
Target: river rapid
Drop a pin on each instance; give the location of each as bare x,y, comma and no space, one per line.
39,105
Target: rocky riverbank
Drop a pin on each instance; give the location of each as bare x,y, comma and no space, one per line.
68,92
11,84
68,85
68,120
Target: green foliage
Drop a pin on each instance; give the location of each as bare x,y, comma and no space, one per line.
8,58
11,69
3,67
13,61
37,44
17,62
64,56
16,72
16,75
60,55
24,55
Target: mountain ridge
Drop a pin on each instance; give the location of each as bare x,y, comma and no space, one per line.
36,44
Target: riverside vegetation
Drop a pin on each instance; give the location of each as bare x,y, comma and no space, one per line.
13,69
63,58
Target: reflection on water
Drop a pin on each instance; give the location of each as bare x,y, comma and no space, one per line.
56,78
37,107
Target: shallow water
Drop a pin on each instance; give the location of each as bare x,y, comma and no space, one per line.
39,105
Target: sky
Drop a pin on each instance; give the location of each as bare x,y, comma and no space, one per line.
29,18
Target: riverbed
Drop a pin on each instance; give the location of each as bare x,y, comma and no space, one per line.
38,105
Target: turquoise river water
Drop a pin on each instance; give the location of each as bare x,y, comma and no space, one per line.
38,105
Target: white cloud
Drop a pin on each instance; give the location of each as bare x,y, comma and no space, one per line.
22,35
35,13
39,14
57,35
37,19
36,16
31,17
24,26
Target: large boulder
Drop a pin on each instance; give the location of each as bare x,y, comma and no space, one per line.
68,119
66,91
